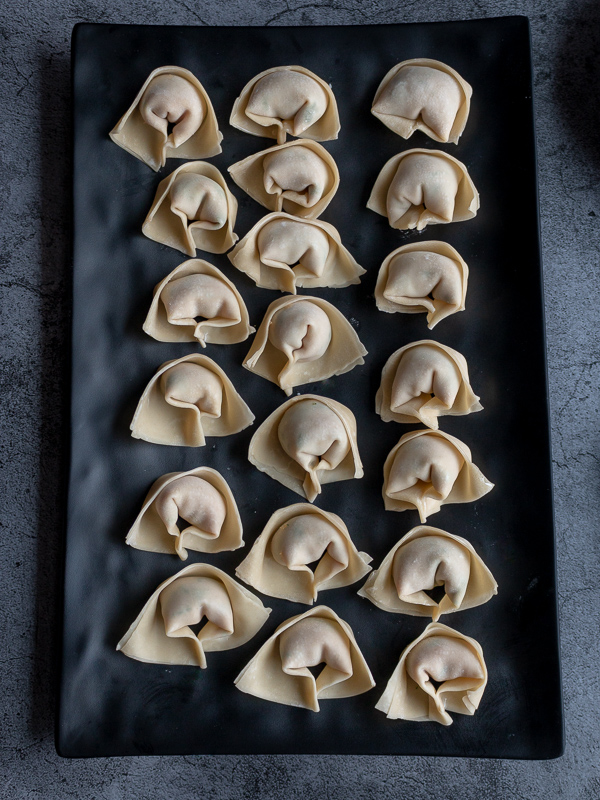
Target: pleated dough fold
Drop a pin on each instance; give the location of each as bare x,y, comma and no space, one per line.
293,538
423,95
421,277
287,100
197,303
193,209
425,380
283,252
161,633
449,658
202,498
420,187
306,442
280,672
303,340
423,559
169,95
186,400
299,177
427,469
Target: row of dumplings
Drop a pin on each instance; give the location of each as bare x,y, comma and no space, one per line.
172,115
278,565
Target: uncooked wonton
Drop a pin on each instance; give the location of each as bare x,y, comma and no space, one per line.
283,252
427,469
421,187
193,209
200,593
303,340
287,100
444,656
280,671
171,117
294,538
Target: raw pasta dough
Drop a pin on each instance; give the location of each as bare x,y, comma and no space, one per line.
423,381
280,671
299,177
306,442
426,95
423,559
423,277
193,209
303,340
287,100
162,633
293,538
169,96
200,497
421,187
197,302
282,252
188,399
427,469
447,657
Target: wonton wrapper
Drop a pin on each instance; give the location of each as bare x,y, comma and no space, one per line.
438,372
422,187
208,404
267,454
423,277
283,252
212,296
299,177
448,657
423,95
423,559
306,100
152,146
193,209
300,534
215,524
161,634
421,453
280,670
315,330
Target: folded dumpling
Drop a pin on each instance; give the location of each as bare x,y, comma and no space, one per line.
421,187
201,498
423,381
197,302
162,632
282,252
423,560
171,117
306,442
420,277
427,469
299,177
193,209
188,399
443,670
294,538
281,670
287,100
302,340
423,95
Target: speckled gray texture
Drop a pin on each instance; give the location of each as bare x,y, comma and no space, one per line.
34,284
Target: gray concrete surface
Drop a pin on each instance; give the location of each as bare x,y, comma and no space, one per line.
34,264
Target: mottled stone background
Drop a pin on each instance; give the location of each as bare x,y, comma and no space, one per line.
34,290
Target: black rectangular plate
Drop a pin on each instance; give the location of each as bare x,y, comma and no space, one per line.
112,705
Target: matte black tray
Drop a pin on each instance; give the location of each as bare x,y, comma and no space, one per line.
112,705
